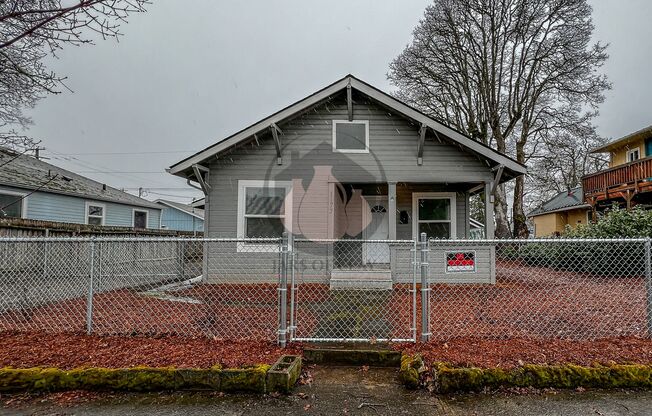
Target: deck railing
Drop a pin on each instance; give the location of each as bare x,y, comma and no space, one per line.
627,175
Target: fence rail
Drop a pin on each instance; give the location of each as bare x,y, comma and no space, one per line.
308,290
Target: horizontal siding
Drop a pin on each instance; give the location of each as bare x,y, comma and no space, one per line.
307,145
63,208
173,219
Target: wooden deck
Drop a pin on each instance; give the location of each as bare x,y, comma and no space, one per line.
623,181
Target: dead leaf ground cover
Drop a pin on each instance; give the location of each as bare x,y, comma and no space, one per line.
509,353
33,349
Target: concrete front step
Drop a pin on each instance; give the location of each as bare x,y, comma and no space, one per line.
352,355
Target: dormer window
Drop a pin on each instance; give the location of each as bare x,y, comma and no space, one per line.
351,136
633,154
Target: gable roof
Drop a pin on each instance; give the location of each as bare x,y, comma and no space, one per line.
563,201
512,167
188,209
643,133
26,172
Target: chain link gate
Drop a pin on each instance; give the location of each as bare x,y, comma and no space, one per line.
353,290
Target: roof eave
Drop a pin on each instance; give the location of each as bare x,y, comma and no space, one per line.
162,202
562,209
183,168
618,143
148,204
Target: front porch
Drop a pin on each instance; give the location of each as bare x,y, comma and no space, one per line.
373,227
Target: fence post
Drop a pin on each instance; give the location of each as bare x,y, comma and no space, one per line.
425,290
293,288
648,287
282,289
89,300
415,261
46,256
181,252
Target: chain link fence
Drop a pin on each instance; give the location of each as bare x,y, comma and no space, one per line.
327,290
548,288
353,290
141,286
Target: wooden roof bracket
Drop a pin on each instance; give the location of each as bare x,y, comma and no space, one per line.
499,173
201,174
277,142
422,139
349,101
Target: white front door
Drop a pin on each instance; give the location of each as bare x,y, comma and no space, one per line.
378,229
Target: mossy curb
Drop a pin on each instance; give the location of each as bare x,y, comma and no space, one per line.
137,379
411,368
450,379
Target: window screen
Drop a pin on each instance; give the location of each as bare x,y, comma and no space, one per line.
350,136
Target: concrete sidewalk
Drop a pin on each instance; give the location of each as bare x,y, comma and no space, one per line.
341,390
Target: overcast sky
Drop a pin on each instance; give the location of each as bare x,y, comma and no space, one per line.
188,73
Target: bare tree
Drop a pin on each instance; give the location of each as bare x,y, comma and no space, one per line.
561,161
30,30
506,72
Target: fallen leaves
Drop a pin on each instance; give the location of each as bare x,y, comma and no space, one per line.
22,350
515,352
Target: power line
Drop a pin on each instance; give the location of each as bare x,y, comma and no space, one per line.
128,153
2,209
87,166
15,157
185,188
121,171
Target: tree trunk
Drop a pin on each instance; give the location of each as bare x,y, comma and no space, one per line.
518,215
500,208
520,225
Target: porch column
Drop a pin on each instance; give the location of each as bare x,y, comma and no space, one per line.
391,197
488,210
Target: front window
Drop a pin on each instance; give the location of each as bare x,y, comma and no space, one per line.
263,209
633,154
351,136
95,214
11,205
434,215
140,219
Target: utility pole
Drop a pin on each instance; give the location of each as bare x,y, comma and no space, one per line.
37,153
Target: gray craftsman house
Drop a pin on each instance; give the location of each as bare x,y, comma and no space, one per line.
347,162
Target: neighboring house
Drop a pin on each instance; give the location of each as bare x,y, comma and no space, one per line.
180,217
348,161
564,209
200,203
628,180
33,189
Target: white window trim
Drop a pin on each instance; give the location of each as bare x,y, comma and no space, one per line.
287,215
23,202
133,217
366,145
434,195
95,204
631,151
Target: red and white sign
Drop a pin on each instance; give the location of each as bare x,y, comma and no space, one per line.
460,261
